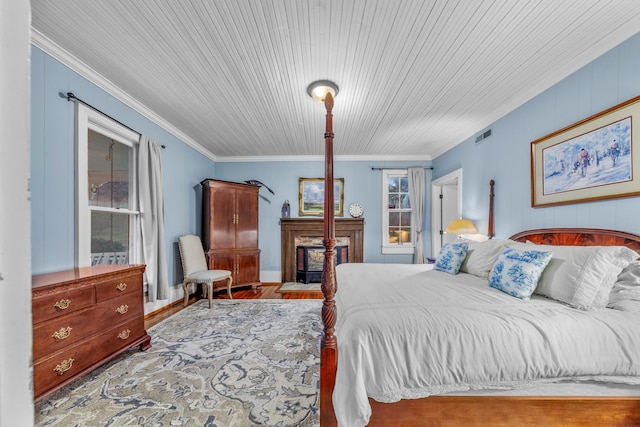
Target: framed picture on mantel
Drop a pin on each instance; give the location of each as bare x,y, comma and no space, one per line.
311,196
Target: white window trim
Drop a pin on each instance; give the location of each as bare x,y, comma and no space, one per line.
387,248
89,119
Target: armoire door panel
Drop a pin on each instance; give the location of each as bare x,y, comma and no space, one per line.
222,221
248,267
247,222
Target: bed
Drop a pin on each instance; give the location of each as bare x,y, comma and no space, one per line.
409,331
605,400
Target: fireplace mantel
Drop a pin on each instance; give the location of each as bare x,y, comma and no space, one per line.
292,228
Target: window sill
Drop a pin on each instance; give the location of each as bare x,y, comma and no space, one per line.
398,250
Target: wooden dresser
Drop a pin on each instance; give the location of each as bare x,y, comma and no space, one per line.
81,319
230,229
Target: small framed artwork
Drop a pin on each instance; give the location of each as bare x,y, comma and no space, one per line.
594,159
311,196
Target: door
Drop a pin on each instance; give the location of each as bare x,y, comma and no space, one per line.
446,206
450,209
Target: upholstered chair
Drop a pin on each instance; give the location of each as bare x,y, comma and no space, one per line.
194,266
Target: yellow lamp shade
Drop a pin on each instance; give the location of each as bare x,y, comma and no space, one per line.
461,226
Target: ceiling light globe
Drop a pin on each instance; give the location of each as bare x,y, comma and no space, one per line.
318,90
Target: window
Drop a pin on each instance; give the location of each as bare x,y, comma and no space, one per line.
106,182
397,227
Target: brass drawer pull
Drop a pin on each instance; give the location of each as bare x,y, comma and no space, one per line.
121,287
63,304
63,367
62,333
122,309
124,334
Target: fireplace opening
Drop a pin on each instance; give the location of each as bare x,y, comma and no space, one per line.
310,260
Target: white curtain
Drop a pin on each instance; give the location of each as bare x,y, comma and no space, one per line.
152,218
416,195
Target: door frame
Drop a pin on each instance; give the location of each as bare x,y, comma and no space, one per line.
453,179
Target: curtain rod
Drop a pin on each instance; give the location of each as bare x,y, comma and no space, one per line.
401,167
70,97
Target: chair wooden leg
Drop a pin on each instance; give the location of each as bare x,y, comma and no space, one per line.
210,286
186,293
229,281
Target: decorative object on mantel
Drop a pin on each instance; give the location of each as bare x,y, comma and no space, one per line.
355,210
311,196
259,184
592,159
286,209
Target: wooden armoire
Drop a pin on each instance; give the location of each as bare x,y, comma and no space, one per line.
230,229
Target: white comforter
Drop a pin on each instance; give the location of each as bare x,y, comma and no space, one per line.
405,331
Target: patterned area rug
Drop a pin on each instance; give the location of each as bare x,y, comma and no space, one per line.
298,287
242,363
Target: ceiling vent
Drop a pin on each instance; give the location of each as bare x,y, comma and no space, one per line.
484,135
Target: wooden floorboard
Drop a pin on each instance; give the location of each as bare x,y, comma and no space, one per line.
265,291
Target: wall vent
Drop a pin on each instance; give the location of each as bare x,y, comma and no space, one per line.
484,135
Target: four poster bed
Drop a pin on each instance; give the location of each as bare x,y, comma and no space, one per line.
489,339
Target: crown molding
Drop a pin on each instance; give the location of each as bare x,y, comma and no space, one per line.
51,48
320,158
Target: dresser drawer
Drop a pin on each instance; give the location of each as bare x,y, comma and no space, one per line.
61,303
64,365
117,287
116,310
58,333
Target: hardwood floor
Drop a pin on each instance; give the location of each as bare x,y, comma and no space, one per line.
265,291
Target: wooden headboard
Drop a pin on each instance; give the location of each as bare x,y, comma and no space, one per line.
579,237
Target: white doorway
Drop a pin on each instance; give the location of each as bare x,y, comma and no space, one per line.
446,205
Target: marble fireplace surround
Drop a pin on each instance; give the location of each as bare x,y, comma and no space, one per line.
310,231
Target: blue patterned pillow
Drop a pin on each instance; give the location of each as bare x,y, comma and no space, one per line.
451,257
516,272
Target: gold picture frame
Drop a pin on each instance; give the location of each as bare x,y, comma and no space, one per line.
311,196
593,159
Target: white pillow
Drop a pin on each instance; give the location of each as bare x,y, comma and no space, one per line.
482,255
517,271
450,257
582,276
625,294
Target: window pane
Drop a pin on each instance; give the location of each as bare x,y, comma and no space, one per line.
406,203
394,219
108,172
404,184
109,238
394,185
405,235
393,201
405,219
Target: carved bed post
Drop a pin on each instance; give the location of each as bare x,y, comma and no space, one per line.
490,230
329,344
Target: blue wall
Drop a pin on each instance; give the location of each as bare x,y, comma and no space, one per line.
361,185
52,181
52,167
505,156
